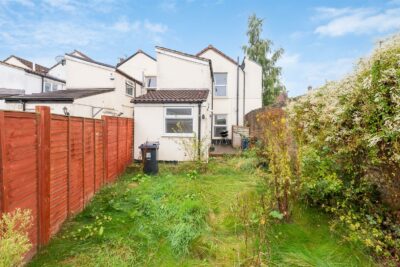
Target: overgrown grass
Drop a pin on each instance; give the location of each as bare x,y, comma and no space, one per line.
184,217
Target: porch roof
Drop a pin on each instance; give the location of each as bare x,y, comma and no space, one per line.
173,96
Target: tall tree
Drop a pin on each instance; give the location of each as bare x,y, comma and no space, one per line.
260,51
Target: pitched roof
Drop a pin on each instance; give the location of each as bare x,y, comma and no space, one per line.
68,95
173,96
182,53
140,51
41,69
27,63
128,76
211,47
87,59
80,54
45,75
4,92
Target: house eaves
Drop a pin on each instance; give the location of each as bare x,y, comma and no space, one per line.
61,96
91,61
219,52
128,77
132,56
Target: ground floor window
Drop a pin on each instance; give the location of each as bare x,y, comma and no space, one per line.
220,124
178,120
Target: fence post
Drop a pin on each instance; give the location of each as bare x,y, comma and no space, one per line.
3,199
43,134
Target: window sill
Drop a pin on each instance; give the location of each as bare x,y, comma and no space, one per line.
221,97
184,135
128,95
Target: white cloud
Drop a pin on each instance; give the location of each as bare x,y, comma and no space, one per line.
298,74
66,5
344,21
288,60
124,25
155,27
168,5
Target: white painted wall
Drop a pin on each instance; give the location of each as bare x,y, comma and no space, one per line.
83,74
227,105
252,84
253,97
58,71
149,126
176,71
16,78
139,66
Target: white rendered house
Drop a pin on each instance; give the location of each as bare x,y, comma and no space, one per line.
18,80
93,89
232,91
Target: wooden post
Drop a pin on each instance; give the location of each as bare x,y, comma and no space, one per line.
3,197
118,167
83,164
43,135
69,168
105,148
94,157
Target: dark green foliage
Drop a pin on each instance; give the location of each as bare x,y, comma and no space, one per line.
260,51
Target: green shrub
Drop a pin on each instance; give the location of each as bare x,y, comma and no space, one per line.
14,240
349,138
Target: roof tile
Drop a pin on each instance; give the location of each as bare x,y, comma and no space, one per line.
173,96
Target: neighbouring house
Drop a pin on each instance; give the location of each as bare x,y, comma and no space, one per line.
93,89
142,67
194,97
176,112
30,81
26,64
17,80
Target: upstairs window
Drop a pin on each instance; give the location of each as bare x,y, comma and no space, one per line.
55,87
129,88
151,82
47,87
178,120
220,81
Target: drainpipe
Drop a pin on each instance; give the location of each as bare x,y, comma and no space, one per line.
199,133
42,84
237,93
244,91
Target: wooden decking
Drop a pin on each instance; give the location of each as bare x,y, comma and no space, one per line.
221,150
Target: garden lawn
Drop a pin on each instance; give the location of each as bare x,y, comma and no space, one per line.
183,218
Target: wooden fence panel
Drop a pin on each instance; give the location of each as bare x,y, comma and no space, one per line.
99,155
58,172
112,148
54,164
89,173
20,168
76,182
121,144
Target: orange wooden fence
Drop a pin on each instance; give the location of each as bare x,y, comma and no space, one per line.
53,165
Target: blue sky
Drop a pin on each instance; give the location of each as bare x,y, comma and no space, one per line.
322,39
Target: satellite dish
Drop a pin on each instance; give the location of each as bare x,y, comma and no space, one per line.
59,58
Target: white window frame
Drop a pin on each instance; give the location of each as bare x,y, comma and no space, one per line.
145,81
54,87
128,83
178,117
219,125
226,86
44,87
